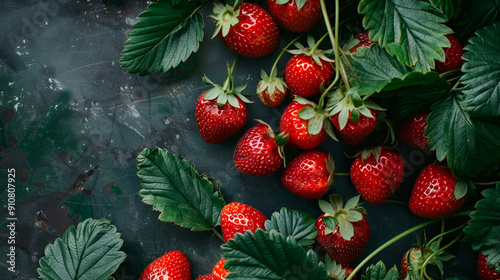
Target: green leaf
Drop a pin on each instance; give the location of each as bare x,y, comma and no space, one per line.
410,30
482,73
164,36
450,8
270,256
379,272
413,92
476,14
375,67
483,229
175,188
295,224
469,145
91,251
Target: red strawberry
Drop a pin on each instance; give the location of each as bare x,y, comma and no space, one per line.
249,30
271,89
452,56
411,131
221,111
310,174
348,272
172,265
343,232
307,70
364,41
377,174
238,217
205,277
433,194
355,131
485,272
259,152
219,272
297,128
290,17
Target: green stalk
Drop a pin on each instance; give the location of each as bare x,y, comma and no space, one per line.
229,80
219,235
486,183
426,262
275,65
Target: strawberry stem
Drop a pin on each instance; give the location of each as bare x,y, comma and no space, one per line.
398,237
219,235
486,183
341,174
275,65
431,256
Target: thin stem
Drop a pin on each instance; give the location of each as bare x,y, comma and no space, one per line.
219,235
341,174
486,183
229,79
445,233
316,46
426,262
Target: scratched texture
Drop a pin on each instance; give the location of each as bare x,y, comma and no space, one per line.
73,121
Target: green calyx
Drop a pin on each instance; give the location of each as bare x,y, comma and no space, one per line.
313,50
340,217
271,83
227,93
349,105
317,118
226,16
334,269
281,139
366,153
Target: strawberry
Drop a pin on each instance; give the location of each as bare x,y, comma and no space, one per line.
362,40
310,174
417,259
411,131
205,277
436,193
308,69
348,272
247,30
219,272
259,152
298,128
452,56
356,131
238,218
485,272
172,265
409,258
342,232
271,89
377,174
221,111
295,16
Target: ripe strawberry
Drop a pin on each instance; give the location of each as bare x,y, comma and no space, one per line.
364,41
291,17
452,56
310,174
205,277
434,193
238,217
342,232
297,128
355,131
485,272
221,111
219,272
249,30
348,272
411,131
172,265
377,174
271,89
307,70
259,152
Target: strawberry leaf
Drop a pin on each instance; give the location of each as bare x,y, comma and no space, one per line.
410,30
262,255
475,16
164,36
379,272
91,251
482,73
450,8
295,224
469,145
175,188
483,228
